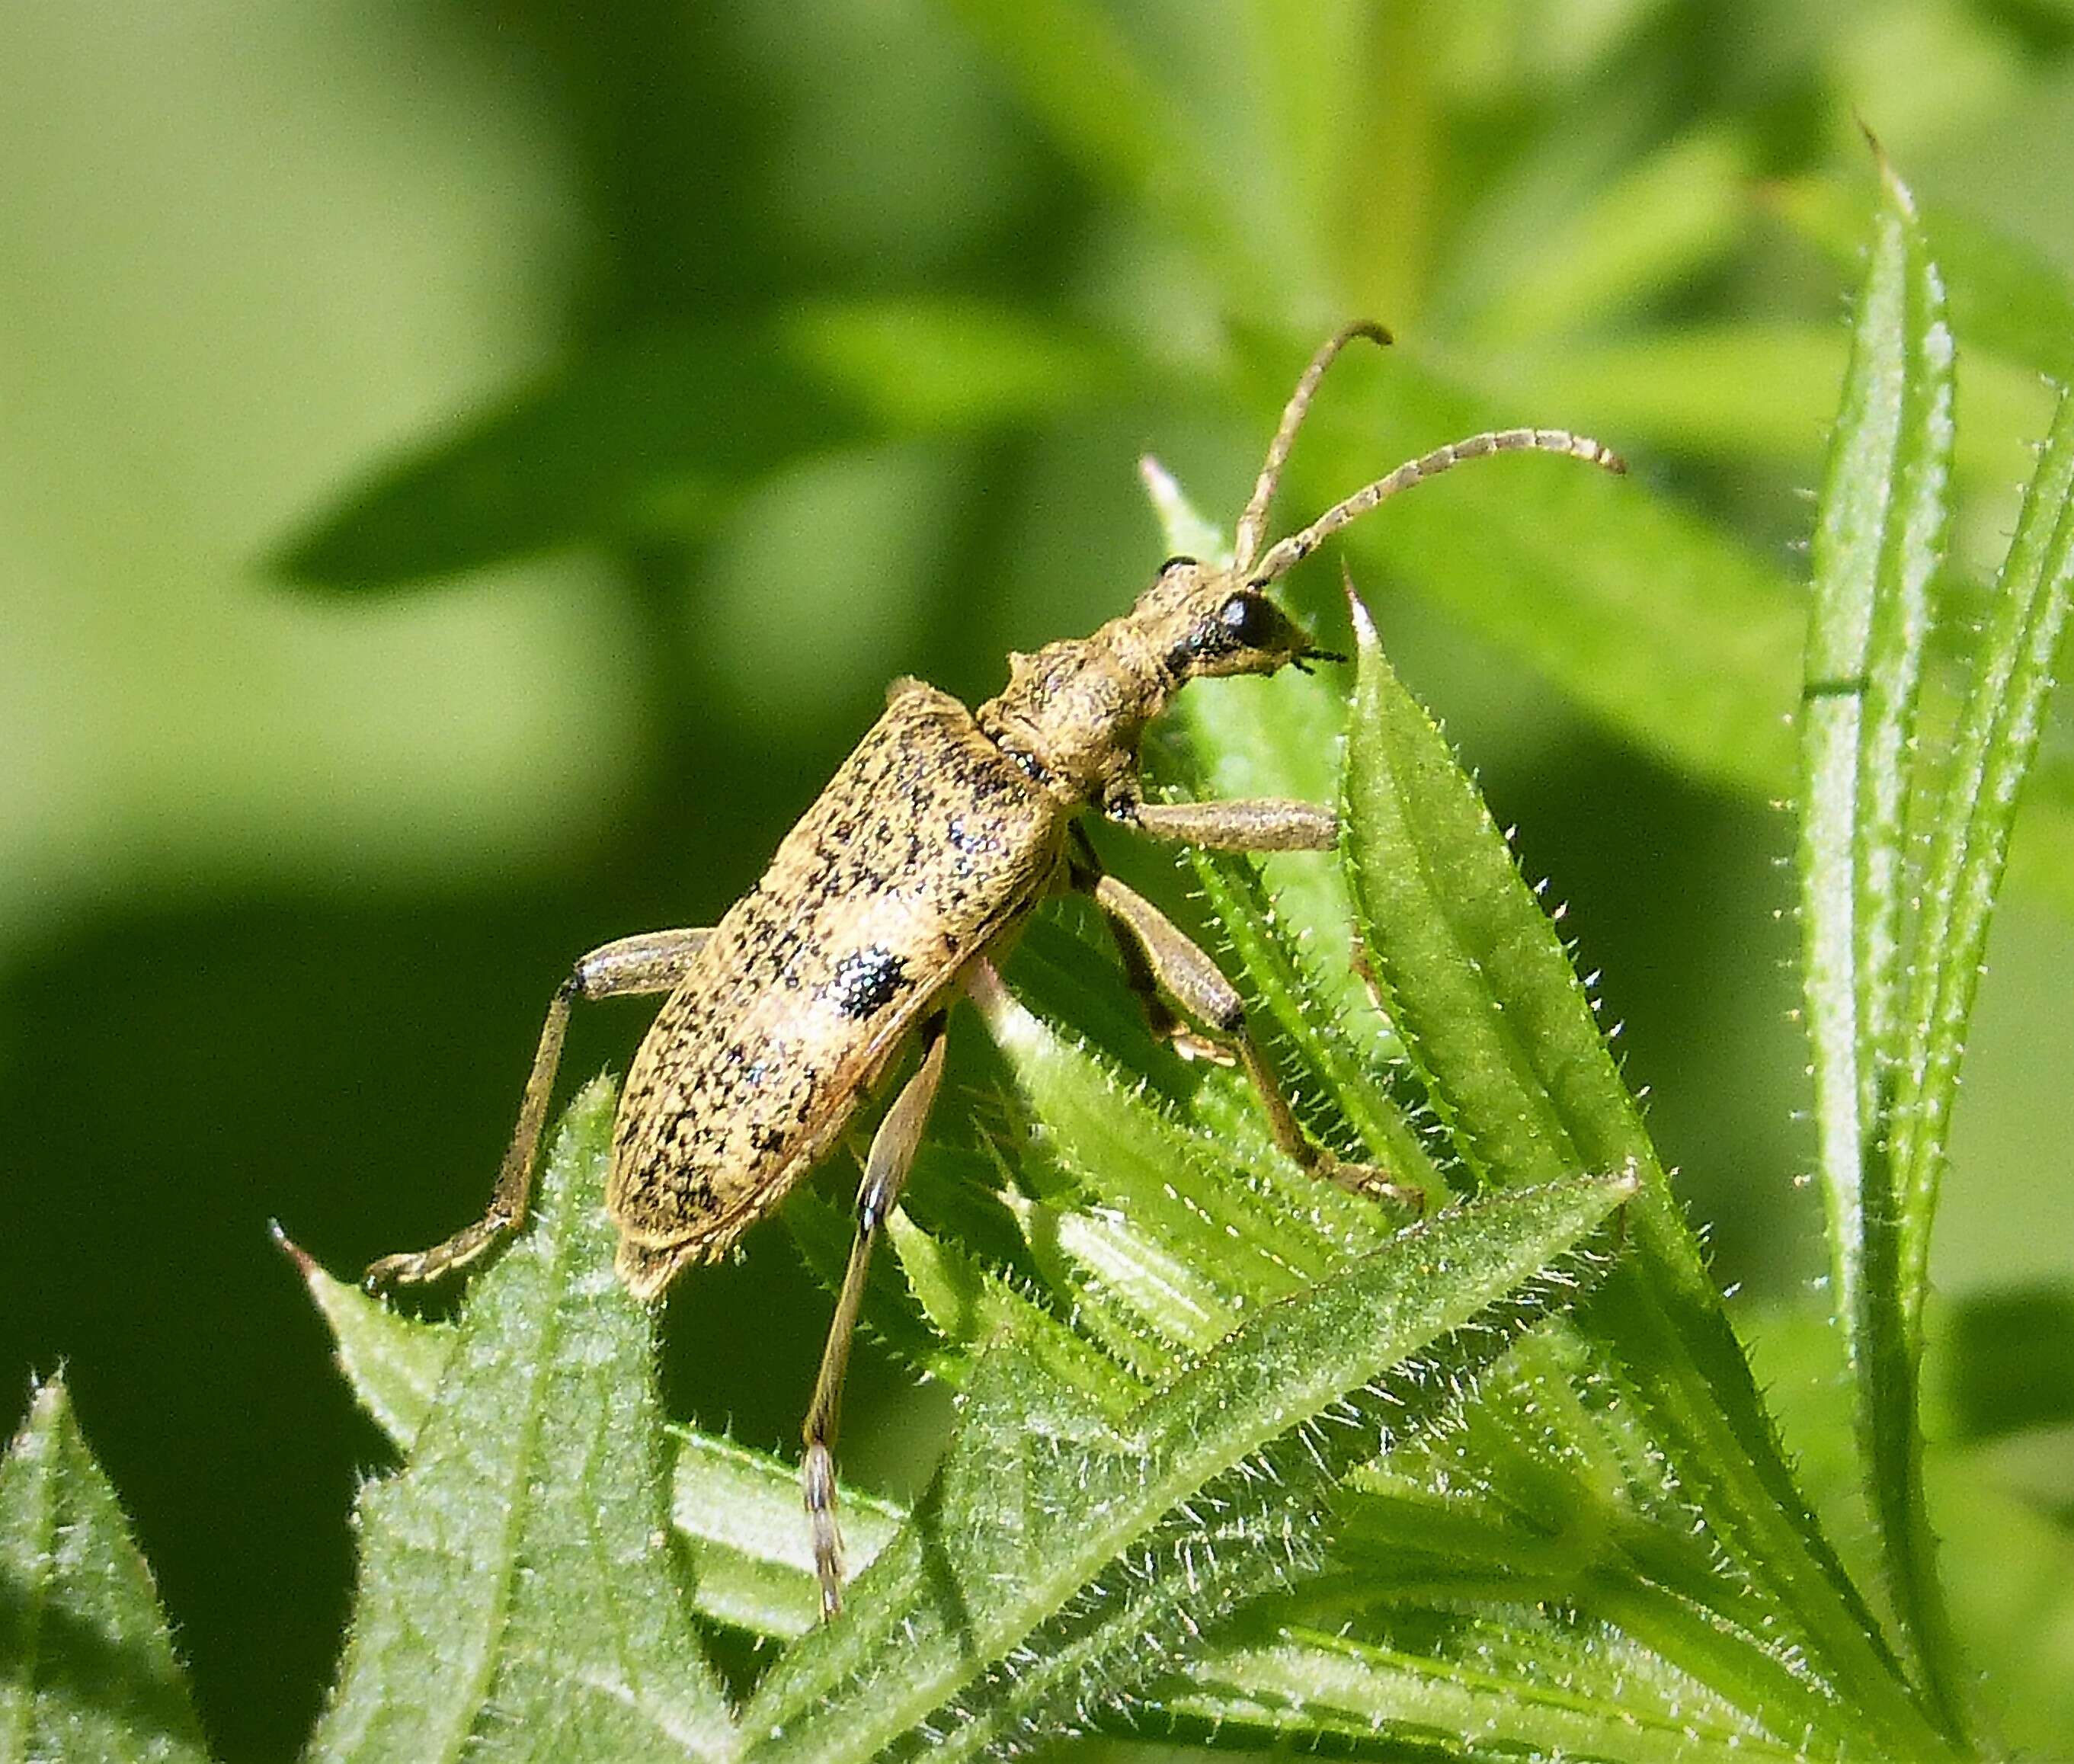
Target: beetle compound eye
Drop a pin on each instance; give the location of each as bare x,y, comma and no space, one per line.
1249,620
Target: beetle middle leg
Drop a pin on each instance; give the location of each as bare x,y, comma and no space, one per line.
653,961
1188,975
885,1167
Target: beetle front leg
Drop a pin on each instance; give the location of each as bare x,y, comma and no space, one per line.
1195,982
1240,824
653,961
892,1155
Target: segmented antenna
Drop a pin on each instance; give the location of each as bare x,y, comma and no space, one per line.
1287,553
1253,523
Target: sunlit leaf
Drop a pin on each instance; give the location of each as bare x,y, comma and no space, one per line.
1878,538
994,1608
1587,1693
393,1362
2010,680
1481,988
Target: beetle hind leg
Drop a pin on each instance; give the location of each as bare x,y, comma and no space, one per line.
885,1167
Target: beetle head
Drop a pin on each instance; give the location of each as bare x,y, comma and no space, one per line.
1203,622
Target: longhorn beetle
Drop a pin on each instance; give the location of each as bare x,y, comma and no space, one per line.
932,842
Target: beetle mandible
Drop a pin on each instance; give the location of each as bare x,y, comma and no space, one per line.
933,840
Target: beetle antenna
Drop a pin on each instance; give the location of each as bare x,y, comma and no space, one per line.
1287,553
1253,523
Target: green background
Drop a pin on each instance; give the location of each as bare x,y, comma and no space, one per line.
289,869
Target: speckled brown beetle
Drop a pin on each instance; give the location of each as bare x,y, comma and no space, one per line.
931,844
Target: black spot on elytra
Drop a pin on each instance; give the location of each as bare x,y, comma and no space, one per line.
867,981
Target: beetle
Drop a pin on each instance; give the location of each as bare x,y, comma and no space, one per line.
933,840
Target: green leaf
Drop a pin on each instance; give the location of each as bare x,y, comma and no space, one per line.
1186,1227
1051,1542
1479,988
87,1668
393,1363
735,1512
1879,538
972,1307
661,432
1468,1684
1991,751
518,1595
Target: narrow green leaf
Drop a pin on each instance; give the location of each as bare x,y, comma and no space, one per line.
1288,916
1304,1684
518,1595
737,1512
1553,1493
1481,989
1341,1042
971,1305
825,1229
1879,537
1243,1232
990,1558
87,1668
1991,755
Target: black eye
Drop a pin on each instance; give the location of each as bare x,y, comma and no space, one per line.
1249,620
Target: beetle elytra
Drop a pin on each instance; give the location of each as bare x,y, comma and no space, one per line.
933,840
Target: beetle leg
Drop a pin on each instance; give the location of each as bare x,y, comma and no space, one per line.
1194,982
1240,823
653,962
1084,872
885,1168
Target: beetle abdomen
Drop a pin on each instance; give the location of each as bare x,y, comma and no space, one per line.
926,844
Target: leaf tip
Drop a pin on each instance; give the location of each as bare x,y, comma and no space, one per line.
1903,198
1365,634
299,1259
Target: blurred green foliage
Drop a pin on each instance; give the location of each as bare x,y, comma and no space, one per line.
720,363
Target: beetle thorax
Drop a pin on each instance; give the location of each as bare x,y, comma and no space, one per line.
1074,712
